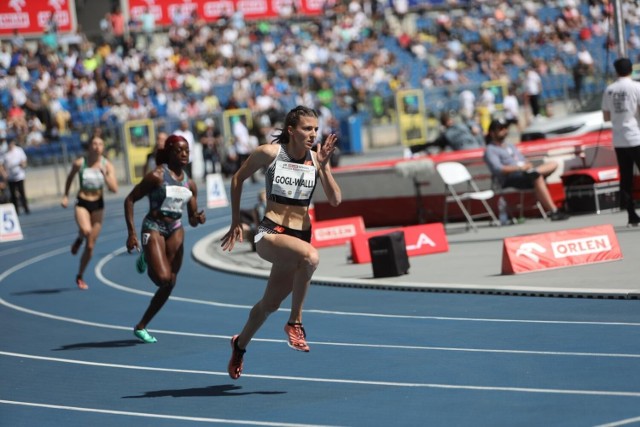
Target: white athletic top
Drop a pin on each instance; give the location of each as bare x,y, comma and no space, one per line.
533,83
12,160
291,181
622,99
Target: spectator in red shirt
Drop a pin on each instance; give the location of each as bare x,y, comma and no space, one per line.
117,25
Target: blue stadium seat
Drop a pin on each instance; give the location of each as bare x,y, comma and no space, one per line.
425,23
5,97
34,156
546,13
503,45
470,36
223,92
72,144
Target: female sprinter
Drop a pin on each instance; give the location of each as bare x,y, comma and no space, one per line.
169,189
284,234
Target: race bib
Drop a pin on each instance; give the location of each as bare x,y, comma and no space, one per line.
176,198
92,179
293,180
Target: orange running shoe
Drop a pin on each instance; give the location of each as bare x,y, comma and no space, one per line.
81,284
236,361
297,336
76,246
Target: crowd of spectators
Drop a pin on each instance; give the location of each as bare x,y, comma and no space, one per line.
352,58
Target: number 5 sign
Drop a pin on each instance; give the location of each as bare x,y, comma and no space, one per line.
9,224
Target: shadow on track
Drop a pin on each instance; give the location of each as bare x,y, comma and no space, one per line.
106,344
211,391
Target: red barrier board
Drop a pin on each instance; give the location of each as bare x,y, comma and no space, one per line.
596,174
335,232
558,249
212,10
421,239
33,17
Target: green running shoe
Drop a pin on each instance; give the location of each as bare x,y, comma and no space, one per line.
144,336
141,264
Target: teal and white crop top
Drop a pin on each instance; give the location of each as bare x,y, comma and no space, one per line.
289,181
91,179
172,196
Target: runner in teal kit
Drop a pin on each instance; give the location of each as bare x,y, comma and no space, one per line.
169,189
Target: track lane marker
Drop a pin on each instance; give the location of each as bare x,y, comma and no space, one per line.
149,415
108,257
337,380
327,343
621,422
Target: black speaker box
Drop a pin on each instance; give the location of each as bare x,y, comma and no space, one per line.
389,255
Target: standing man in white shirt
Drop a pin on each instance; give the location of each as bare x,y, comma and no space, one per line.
533,89
241,140
15,165
620,104
511,107
467,104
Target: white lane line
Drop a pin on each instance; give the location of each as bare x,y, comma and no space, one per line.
102,325
473,319
28,247
103,261
327,343
337,380
30,261
482,350
107,258
165,417
621,422
101,277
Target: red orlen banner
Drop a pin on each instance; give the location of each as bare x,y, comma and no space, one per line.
420,240
560,249
335,232
212,10
31,17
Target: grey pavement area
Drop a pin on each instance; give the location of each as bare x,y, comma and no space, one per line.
472,264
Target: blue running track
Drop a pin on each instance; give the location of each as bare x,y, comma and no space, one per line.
378,358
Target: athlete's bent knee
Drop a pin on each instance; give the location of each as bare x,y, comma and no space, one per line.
310,259
163,281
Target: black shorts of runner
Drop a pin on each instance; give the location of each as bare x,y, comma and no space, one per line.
91,206
268,226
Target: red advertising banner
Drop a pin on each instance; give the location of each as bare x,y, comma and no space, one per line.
31,17
421,239
560,249
335,232
212,10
